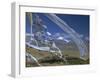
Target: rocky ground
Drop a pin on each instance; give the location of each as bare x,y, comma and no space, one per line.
48,59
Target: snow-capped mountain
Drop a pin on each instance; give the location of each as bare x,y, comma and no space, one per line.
56,36
62,38
49,34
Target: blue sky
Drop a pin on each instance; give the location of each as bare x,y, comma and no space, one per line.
80,23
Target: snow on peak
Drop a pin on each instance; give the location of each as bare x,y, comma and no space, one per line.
60,38
49,33
66,40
